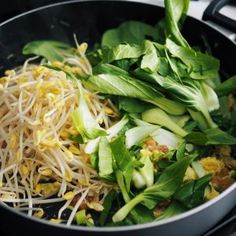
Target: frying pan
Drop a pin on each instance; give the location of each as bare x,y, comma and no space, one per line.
88,20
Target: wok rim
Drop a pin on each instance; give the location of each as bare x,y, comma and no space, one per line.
99,229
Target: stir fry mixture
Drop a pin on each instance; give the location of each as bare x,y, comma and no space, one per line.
138,129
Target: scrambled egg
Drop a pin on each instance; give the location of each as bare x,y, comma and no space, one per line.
212,164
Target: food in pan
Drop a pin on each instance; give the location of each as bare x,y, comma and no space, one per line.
137,129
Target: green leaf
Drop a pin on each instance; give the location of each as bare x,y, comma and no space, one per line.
173,209
105,158
175,10
123,160
113,80
227,87
121,51
202,66
169,181
166,185
82,219
94,160
133,105
150,60
107,204
187,92
192,194
180,151
51,50
131,32
211,137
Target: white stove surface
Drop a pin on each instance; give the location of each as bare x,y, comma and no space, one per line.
196,10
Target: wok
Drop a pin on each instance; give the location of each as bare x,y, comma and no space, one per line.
88,20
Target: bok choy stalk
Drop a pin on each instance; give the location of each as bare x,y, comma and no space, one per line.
165,137
113,80
92,145
161,136
135,135
188,93
105,158
159,117
166,185
84,121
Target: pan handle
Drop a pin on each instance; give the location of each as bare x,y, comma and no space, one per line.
212,13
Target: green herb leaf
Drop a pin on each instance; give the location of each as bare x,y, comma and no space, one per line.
211,137
202,66
121,51
113,80
51,50
175,10
227,87
192,194
133,105
132,32
173,209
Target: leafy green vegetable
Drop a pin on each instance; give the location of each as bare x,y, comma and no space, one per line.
181,151
123,160
107,204
133,105
175,11
82,219
105,158
92,145
167,184
227,87
202,66
84,121
192,194
150,60
188,92
121,51
131,32
159,117
211,137
51,50
115,81
210,97
147,171
173,209
180,120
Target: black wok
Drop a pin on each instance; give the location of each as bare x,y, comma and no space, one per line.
88,20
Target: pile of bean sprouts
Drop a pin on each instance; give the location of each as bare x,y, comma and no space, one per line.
39,162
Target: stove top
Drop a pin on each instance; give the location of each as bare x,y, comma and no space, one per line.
197,9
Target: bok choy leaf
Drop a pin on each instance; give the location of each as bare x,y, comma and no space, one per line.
83,120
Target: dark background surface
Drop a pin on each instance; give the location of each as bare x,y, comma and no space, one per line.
11,8
15,7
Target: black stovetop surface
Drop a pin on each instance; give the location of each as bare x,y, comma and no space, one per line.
19,6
